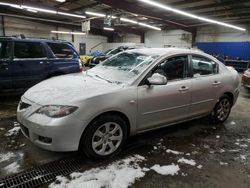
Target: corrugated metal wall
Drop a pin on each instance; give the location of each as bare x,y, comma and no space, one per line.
231,49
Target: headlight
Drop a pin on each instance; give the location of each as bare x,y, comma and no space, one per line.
56,111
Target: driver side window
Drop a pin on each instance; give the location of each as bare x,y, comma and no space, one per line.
173,68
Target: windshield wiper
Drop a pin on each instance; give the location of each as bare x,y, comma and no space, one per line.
103,78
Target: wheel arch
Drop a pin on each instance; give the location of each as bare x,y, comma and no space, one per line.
231,96
112,112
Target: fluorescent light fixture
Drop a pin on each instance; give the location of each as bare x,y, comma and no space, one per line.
72,15
128,20
149,26
141,24
168,8
61,1
68,33
11,5
98,14
108,29
95,14
32,10
39,9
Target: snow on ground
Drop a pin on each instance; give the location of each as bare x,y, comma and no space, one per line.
174,152
13,131
12,168
166,170
119,174
232,123
199,166
223,163
6,156
187,161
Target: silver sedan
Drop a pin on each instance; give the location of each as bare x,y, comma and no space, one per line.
129,93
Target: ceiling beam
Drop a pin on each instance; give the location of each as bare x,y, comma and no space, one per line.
85,7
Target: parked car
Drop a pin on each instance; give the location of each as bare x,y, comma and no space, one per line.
24,62
246,79
132,92
96,60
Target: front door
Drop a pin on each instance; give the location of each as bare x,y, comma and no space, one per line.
5,68
163,104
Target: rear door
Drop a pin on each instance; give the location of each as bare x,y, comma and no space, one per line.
206,83
66,60
5,68
29,64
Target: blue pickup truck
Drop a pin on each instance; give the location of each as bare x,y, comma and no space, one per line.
25,61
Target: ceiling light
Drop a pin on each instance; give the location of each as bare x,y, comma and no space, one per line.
32,10
165,7
39,9
98,14
141,24
72,15
128,20
108,29
95,14
61,1
11,5
68,33
150,26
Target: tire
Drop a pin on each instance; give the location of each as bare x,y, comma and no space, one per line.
104,137
221,110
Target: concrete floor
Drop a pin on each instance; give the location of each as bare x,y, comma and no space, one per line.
222,150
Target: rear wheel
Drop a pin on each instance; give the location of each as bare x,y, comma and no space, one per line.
222,110
104,137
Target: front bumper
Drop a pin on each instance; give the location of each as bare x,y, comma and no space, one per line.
54,134
245,81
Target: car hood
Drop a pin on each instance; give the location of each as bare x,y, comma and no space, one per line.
69,89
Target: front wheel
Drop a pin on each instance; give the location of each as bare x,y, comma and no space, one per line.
104,137
222,110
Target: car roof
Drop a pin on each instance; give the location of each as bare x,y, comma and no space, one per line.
165,51
29,39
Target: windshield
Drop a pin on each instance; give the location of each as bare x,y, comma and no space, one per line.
123,67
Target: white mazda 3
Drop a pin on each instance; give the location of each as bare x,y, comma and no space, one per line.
129,93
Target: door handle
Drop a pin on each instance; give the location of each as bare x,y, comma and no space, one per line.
184,88
216,83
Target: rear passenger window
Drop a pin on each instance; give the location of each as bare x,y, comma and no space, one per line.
203,66
61,50
5,49
29,50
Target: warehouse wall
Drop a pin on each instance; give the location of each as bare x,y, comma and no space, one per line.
221,34
224,42
167,38
16,26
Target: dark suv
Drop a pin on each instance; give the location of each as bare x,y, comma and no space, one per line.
26,61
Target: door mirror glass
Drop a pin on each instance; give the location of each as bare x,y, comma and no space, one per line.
157,79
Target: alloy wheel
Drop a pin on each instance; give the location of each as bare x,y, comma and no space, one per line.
107,138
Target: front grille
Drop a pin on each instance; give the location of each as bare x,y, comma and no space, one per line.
25,130
23,105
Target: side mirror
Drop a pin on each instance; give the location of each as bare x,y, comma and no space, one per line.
157,79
